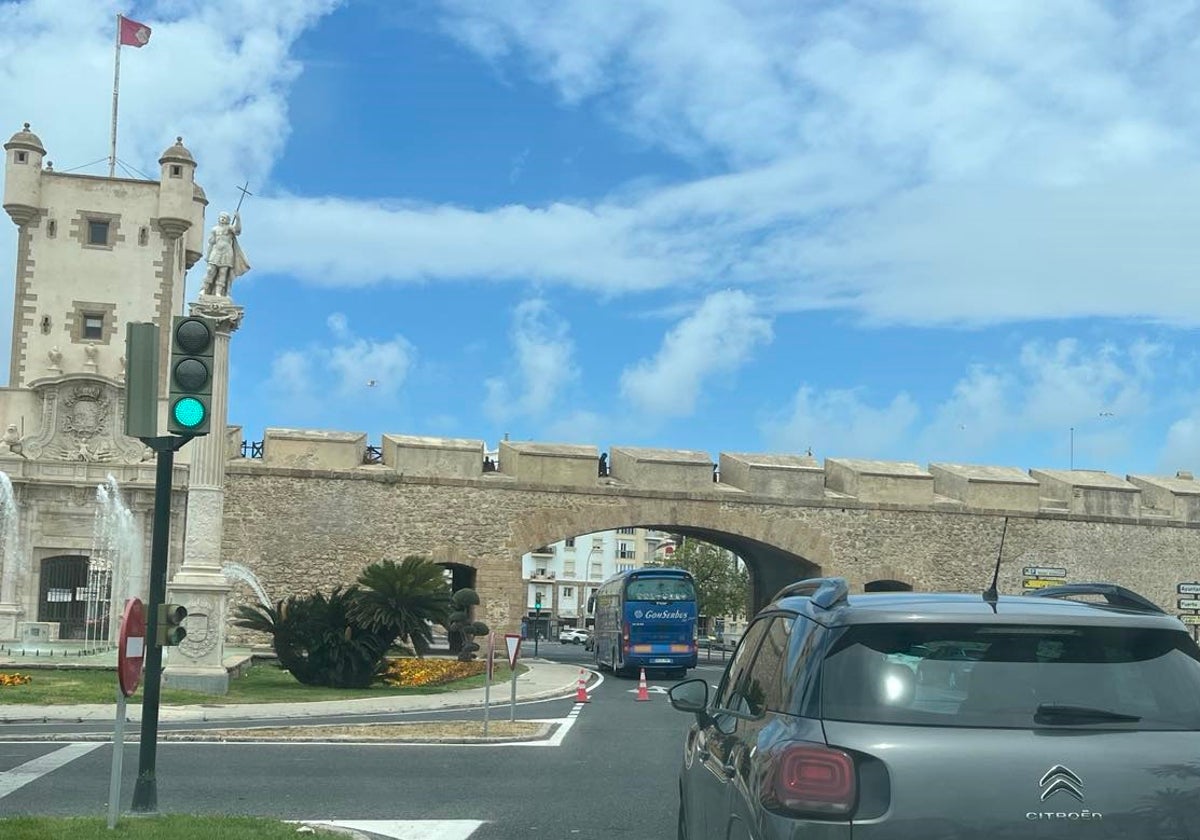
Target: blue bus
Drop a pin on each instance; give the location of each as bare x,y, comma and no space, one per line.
645,618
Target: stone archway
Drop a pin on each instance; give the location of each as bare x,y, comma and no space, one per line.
887,585
776,551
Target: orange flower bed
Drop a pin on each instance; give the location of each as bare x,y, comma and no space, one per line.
410,671
14,679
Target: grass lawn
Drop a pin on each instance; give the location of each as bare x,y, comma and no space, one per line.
151,828
264,683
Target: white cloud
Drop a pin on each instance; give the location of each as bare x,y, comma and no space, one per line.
936,162
838,423
350,367
1101,391
718,338
543,360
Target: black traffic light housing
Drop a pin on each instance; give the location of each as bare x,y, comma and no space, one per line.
168,630
537,600
190,377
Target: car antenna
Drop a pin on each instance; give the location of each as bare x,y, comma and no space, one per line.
991,595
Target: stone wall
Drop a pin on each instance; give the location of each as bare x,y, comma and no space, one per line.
302,530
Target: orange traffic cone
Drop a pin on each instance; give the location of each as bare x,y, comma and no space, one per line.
643,694
581,695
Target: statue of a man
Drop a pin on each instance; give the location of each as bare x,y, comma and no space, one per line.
226,262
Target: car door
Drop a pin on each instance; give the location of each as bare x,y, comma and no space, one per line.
761,692
716,738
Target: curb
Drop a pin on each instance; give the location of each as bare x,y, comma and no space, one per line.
545,731
299,710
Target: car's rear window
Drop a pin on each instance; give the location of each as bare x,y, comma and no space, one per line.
986,675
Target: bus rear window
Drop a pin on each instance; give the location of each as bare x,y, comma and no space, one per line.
660,589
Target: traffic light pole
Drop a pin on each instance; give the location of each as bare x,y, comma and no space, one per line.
145,792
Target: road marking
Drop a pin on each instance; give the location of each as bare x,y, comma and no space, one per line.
653,689
30,771
407,829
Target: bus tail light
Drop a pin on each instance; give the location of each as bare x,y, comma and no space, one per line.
625,636
811,779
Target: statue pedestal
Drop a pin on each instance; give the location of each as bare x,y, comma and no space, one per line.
10,615
197,663
200,586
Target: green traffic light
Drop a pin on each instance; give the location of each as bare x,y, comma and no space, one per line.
189,412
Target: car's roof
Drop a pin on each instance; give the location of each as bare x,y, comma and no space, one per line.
954,607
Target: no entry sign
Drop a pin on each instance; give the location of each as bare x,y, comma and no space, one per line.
132,647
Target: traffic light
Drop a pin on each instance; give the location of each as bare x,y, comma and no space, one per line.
169,630
193,339
537,600
141,380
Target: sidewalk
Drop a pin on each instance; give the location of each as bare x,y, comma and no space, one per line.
542,681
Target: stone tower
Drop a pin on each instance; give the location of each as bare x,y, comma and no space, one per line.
93,253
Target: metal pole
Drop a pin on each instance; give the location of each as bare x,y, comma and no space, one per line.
118,759
112,146
512,709
145,792
487,697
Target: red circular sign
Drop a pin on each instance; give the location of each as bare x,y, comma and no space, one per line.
131,647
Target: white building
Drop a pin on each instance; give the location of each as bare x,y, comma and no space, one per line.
562,577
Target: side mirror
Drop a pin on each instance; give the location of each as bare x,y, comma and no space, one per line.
690,696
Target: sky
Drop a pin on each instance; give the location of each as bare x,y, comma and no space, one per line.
919,231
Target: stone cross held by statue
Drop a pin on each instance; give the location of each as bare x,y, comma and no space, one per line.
245,192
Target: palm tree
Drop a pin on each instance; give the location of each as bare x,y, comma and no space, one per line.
316,639
402,601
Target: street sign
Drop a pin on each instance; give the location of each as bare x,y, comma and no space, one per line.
1045,572
1188,589
512,641
131,647
1190,619
1189,604
1040,584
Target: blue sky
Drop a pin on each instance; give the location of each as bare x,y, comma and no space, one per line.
929,231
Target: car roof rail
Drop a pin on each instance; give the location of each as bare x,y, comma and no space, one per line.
824,592
1116,596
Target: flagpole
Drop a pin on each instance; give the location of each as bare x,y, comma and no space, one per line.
112,145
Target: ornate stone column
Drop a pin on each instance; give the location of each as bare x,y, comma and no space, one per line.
200,584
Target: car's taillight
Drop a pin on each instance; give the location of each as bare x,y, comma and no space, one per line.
811,779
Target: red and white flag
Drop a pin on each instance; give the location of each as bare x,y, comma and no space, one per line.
134,34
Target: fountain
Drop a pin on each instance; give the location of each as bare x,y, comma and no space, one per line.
237,570
15,566
115,569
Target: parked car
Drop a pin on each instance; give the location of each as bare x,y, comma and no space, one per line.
573,635
1063,711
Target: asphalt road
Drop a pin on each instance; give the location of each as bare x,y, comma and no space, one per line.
613,775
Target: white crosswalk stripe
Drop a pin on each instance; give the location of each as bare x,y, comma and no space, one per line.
408,829
30,771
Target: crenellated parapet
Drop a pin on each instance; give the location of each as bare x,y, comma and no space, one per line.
770,477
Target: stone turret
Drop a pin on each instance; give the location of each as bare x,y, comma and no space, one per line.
23,155
176,191
195,235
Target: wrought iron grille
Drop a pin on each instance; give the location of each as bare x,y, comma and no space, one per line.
63,596
252,448
373,455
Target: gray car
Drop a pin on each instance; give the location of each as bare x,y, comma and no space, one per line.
1075,719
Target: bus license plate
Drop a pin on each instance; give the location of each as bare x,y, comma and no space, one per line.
661,661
